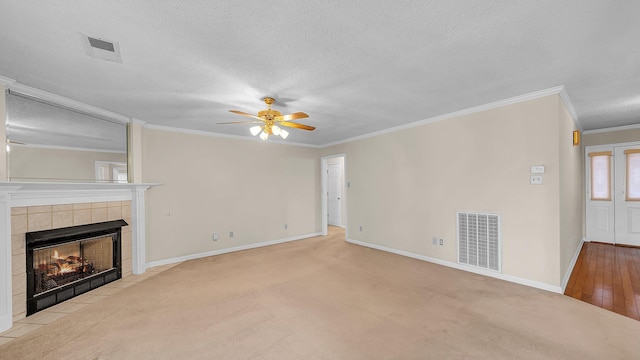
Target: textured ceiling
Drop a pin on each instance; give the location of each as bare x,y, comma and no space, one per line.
355,66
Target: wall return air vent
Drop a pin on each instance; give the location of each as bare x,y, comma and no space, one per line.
100,48
479,240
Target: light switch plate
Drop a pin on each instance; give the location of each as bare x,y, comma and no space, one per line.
538,169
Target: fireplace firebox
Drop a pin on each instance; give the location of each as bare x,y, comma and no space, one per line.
66,262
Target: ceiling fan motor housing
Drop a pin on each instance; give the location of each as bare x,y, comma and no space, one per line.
269,114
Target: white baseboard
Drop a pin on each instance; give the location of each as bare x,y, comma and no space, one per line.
490,273
567,275
228,250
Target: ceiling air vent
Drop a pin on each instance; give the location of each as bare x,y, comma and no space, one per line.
101,48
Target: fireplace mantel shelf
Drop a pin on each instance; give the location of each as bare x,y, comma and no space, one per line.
38,186
48,193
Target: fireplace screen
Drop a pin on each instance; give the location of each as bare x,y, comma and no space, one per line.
58,265
66,262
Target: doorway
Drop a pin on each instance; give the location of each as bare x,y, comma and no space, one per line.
613,193
334,192
334,202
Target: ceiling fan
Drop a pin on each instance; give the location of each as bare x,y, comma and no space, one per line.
271,121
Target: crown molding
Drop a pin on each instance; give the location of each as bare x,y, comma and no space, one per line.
472,110
612,129
219,135
558,90
569,106
17,87
6,81
69,148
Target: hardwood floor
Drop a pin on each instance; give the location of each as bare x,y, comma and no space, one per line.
607,276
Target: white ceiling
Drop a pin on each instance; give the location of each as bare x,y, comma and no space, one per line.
355,66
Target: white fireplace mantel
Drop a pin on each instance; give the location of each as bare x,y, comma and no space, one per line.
15,194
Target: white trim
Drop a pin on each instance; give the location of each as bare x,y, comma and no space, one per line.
138,231
567,275
220,135
35,194
496,104
54,147
472,269
569,106
6,269
17,87
324,188
6,81
612,129
228,250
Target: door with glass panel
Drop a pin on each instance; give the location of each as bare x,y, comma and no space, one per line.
627,195
613,194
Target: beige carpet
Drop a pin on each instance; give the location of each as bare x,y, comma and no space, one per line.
322,298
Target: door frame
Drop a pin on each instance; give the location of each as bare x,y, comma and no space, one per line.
324,181
338,184
587,177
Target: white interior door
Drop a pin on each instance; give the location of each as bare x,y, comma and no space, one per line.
599,201
613,194
627,195
334,194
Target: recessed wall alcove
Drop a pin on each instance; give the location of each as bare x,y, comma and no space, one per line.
28,207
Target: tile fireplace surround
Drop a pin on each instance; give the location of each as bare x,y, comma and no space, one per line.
26,207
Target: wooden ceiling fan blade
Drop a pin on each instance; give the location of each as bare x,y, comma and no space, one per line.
296,125
246,114
240,122
294,116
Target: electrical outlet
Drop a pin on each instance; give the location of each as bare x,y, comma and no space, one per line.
230,233
536,180
286,226
215,236
441,241
434,241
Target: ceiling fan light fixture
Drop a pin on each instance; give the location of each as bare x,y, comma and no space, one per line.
272,121
255,130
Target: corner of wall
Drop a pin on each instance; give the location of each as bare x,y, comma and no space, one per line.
571,195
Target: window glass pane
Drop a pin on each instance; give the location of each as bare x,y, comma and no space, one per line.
633,176
600,177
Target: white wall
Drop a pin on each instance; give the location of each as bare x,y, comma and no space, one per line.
406,186
571,194
611,137
216,184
